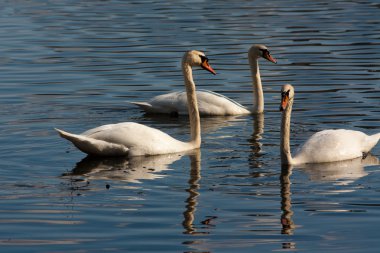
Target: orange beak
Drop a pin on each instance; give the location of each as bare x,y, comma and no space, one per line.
269,57
207,67
284,102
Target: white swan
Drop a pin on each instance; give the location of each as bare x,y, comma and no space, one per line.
324,146
211,103
133,139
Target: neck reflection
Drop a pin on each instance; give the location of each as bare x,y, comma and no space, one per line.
286,204
256,145
194,186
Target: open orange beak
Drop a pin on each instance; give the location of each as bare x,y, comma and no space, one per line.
207,67
269,57
284,102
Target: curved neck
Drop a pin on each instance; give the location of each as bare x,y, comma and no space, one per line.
195,124
258,97
286,156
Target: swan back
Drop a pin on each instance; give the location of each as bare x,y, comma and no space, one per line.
332,145
209,103
140,139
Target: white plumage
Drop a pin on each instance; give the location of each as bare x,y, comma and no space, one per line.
127,138
324,146
335,145
209,103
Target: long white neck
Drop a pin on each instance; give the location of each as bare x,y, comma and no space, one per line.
286,156
195,123
258,97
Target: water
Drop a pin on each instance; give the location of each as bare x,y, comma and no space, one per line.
75,64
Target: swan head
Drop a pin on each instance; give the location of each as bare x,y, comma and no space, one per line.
257,51
287,95
197,58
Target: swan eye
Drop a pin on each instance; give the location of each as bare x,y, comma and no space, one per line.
203,58
285,93
264,52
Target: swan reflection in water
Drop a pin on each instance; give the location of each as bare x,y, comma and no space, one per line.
131,170
256,145
193,190
343,171
286,203
135,169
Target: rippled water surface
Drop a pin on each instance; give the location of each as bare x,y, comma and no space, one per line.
76,64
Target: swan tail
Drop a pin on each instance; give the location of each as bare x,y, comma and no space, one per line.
93,146
371,142
376,136
143,105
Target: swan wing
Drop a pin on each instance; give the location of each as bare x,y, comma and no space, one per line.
209,103
94,146
212,103
332,145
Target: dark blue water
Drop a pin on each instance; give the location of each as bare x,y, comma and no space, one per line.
76,64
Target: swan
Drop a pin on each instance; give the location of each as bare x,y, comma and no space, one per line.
324,146
211,103
133,139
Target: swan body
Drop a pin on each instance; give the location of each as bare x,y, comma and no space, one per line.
211,103
127,138
334,145
133,139
324,146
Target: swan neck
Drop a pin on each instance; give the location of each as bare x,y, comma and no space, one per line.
286,156
195,126
258,97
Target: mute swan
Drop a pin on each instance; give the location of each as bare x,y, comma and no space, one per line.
211,103
324,146
133,139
